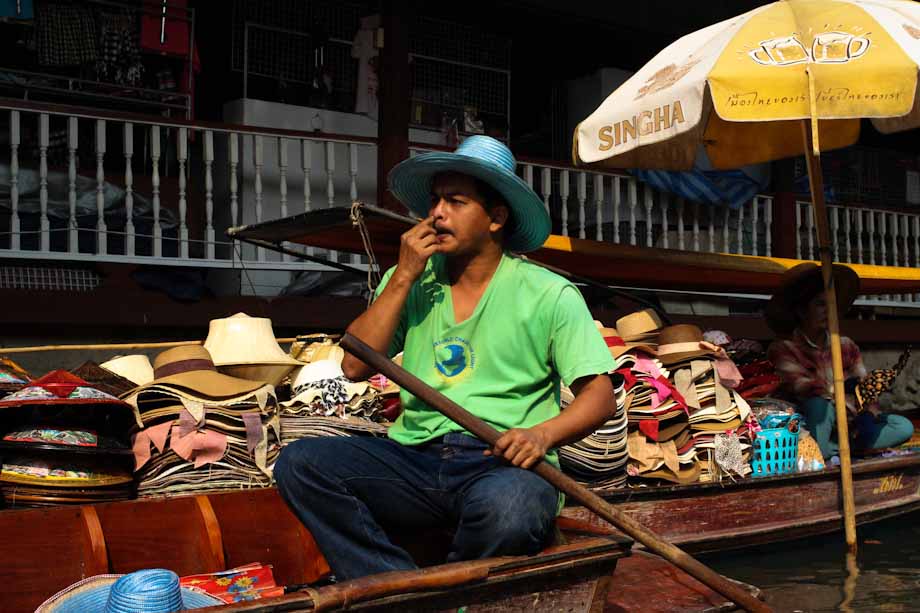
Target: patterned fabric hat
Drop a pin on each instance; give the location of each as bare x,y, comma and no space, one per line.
324,380
12,376
59,387
103,379
877,382
145,591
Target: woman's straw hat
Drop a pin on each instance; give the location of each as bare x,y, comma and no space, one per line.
799,285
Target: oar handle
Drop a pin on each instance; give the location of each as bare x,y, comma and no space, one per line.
553,475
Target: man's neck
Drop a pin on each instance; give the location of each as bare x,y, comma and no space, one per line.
474,270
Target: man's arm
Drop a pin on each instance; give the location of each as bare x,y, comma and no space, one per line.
595,402
378,323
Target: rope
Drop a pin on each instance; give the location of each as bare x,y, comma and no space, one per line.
239,255
373,267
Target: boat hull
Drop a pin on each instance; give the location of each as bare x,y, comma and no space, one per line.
733,515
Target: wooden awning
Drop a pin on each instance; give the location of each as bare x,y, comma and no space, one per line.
615,264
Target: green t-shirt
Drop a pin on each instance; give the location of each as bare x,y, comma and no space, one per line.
530,329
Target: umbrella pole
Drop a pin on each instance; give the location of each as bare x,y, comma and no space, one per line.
816,184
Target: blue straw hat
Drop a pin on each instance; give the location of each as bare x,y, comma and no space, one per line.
145,591
487,159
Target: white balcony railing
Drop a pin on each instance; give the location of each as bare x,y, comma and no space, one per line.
864,236
81,186
78,185
618,208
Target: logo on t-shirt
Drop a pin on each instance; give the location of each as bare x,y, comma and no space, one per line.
454,357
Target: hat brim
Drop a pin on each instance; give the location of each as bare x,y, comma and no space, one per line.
674,358
780,312
618,350
207,383
310,395
92,594
410,181
63,402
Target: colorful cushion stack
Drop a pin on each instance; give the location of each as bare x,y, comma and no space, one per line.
64,441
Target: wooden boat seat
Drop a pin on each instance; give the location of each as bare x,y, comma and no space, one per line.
45,550
258,526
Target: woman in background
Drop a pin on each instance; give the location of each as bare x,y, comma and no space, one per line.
797,313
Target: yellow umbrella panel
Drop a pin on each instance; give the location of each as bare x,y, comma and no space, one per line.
740,87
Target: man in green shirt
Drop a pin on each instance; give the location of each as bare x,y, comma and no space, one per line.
492,332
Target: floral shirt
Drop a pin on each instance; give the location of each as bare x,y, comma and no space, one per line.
806,369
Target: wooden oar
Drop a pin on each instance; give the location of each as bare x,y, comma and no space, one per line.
553,475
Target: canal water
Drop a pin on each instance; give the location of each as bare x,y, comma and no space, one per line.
811,574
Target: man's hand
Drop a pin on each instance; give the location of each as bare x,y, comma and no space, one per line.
415,247
522,447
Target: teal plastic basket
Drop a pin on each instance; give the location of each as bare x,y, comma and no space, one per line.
776,451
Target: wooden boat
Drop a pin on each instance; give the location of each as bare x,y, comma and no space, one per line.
47,549
705,517
627,265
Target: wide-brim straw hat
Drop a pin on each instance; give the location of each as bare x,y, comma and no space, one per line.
681,342
617,345
135,368
145,591
242,339
489,160
641,326
799,285
191,367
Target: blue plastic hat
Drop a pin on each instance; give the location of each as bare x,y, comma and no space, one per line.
145,591
487,159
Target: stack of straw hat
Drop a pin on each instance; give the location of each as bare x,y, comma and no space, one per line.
718,416
599,461
326,403
199,430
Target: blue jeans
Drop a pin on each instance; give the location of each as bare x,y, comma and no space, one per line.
346,489
821,420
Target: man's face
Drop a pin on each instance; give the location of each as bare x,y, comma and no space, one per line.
461,219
